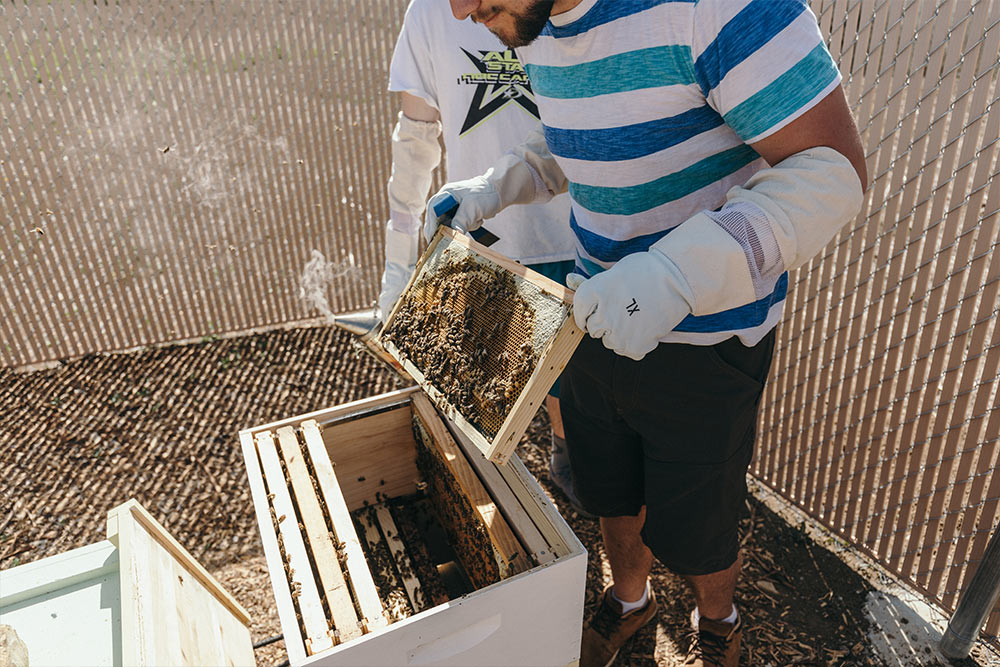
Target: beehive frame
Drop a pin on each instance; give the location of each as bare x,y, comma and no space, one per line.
553,355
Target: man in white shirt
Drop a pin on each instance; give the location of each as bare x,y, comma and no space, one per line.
460,80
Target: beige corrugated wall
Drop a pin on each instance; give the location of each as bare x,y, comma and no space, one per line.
167,170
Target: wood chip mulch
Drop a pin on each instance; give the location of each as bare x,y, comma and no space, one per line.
161,425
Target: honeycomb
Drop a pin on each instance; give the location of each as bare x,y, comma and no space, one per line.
475,331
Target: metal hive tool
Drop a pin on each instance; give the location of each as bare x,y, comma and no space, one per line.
484,336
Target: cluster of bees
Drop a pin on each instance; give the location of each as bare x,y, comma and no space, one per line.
465,531
469,332
382,566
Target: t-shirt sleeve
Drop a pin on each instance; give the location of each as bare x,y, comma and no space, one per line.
760,63
412,67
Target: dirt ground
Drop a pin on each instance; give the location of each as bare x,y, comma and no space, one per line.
161,424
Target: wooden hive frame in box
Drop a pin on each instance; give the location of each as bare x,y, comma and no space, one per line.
483,336
309,475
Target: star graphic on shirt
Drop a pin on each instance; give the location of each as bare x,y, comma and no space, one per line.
500,80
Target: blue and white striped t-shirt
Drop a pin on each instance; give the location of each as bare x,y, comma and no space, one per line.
649,106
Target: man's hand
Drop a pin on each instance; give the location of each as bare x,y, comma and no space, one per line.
632,305
477,200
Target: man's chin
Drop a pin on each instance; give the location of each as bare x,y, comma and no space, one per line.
522,29
509,41
515,40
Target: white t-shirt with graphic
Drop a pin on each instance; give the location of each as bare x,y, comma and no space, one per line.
482,93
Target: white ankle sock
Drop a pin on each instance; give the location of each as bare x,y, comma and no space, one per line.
728,619
629,606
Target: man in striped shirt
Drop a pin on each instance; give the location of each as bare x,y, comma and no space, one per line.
708,149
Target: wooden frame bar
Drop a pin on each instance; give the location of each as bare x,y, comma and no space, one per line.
398,552
300,570
294,643
331,577
511,506
373,537
550,523
346,411
500,534
343,527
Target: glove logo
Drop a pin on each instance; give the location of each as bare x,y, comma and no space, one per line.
632,308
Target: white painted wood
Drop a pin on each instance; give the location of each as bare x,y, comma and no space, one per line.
173,611
272,554
75,597
532,618
545,515
342,411
137,598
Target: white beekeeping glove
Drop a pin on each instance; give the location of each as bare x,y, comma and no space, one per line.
632,305
526,175
415,154
400,260
717,260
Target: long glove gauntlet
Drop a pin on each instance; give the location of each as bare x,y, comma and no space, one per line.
415,154
718,260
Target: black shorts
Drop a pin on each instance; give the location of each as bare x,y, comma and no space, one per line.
674,432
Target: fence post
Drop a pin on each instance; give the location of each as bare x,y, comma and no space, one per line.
976,603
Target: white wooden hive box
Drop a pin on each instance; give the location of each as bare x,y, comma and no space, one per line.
136,598
391,540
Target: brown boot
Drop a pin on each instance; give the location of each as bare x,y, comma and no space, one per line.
608,630
715,643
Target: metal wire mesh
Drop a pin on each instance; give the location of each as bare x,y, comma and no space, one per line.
881,416
166,170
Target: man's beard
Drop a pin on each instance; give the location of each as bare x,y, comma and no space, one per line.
528,25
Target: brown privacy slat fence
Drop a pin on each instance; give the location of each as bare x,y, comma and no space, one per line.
178,163
880,418
168,168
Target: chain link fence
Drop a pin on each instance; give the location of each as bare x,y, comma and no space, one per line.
881,417
168,169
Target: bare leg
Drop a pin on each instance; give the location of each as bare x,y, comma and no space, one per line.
713,593
630,558
555,417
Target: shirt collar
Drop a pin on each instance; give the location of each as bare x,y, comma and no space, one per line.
574,14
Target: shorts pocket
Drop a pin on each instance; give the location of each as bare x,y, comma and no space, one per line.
749,364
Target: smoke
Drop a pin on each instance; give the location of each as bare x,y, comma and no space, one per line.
317,277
